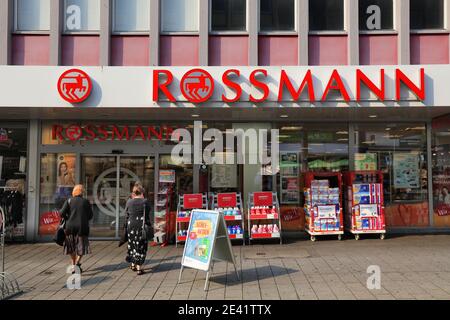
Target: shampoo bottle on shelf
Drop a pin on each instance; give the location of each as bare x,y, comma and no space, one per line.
276,229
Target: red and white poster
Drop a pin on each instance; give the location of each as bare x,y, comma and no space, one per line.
441,188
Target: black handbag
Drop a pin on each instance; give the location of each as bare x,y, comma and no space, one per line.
60,235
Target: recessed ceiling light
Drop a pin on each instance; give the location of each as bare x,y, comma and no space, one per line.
195,115
284,116
373,116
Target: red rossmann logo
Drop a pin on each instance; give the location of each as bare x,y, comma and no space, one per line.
74,86
197,85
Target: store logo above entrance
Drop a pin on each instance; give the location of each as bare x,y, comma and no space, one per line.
197,85
74,86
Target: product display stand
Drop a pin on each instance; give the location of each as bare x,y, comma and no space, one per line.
8,283
264,206
186,203
230,205
162,215
364,212
323,204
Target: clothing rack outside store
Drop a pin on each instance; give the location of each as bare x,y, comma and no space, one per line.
11,237
9,286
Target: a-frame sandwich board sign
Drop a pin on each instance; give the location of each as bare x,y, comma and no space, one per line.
207,241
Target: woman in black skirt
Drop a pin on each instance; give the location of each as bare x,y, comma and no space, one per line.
139,216
77,212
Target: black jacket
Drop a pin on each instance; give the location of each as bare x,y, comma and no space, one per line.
135,210
77,215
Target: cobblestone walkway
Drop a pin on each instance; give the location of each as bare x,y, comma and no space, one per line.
412,267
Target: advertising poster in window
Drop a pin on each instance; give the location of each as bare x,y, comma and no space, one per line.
199,243
441,188
223,176
66,175
406,171
167,176
365,161
289,180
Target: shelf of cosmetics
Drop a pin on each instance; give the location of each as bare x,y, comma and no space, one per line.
265,231
228,213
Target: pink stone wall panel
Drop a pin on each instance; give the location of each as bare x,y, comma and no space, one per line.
130,50
80,50
178,50
228,51
429,49
278,51
378,49
30,50
327,50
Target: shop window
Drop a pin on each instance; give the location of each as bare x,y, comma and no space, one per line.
399,151
32,15
81,15
228,15
441,171
179,15
277,15
57,180
375,15
131,15
427,14
13,175
326,15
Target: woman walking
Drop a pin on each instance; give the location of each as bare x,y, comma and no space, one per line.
76,213
139,228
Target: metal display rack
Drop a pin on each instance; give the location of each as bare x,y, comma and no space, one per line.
364,212
186,203
230,205
263,206
323,217
8,283
162,215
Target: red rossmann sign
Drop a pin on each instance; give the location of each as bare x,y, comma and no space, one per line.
197,85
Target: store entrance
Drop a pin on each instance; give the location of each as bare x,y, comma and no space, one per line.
108,181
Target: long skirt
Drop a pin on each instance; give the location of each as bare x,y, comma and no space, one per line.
78,245
137,247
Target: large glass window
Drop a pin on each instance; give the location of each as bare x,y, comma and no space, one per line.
441,171
375,15
81,15
228,15
32,15
56,185
277,15
326,15
427,14
400,153
131,15
179,15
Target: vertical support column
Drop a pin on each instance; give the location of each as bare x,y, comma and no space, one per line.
430,172
105,32
203,32
351,18
154,32
402,26
56,18
6,28
32,217
303,31
253,27
351,146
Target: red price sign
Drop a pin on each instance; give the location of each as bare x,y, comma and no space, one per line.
262,199
226,200
193,201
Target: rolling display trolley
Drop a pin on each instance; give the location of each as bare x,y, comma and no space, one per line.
186,203
162,208
8,283
230,205
364,212
323,204
263,207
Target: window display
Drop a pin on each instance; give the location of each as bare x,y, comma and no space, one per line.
401,155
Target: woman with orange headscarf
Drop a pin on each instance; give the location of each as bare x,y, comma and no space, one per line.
76,213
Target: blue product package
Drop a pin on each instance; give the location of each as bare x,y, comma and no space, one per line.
361,188
365,223
361,199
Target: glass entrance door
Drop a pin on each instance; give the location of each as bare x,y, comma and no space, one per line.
108,181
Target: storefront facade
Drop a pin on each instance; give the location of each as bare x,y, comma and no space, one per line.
98,106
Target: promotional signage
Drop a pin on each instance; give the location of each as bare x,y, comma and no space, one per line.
207,240
365,161
193,201
227,200
406,170
262,199
167,176
74,86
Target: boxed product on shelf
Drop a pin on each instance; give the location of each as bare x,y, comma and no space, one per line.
368,210
265,228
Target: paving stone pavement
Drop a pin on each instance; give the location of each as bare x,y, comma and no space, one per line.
412,267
